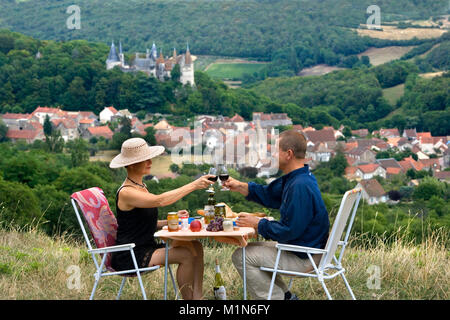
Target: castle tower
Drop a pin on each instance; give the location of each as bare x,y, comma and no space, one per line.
113,59
121,56
154,53
187,69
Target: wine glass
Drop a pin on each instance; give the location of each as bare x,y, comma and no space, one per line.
223,176
212,171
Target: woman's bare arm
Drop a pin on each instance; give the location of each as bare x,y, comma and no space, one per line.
137,199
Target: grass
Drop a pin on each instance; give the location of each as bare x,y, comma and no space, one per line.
36,266
393,94
380,56
232,70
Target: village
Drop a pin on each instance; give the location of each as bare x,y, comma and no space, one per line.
425,152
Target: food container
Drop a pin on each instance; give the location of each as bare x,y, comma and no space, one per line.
219,210
227,225
184,218
172,221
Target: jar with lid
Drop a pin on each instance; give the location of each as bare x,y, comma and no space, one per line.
219,210
172,221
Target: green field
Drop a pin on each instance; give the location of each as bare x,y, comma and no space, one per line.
393,94
232,70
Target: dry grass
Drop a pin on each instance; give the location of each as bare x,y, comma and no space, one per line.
393,33
33,266
380,56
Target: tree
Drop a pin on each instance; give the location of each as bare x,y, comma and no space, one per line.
48,128
427,188
3,131
79,152
176,73
150,136
54,142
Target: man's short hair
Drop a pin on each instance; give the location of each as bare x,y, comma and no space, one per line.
294,141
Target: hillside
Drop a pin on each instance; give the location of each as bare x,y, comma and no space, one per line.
289,33
30,260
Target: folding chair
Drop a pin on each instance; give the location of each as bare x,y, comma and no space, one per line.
328,261
103,227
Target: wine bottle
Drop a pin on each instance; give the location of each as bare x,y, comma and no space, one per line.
219,285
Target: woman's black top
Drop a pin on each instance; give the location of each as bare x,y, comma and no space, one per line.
135,226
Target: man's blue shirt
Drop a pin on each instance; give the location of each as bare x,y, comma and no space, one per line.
304,217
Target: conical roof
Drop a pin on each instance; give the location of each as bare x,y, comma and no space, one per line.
113,53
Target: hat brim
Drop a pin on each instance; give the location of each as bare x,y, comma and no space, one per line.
119,161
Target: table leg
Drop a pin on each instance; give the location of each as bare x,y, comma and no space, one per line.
166,266
244,273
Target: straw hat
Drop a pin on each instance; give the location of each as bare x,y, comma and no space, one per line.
135,150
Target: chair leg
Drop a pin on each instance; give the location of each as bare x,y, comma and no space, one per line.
272,282
290,283
348,286
94,289
322,282
121,287
173,283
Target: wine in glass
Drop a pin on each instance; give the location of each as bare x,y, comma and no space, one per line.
213,172
223,176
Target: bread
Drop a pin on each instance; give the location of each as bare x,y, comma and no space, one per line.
228,212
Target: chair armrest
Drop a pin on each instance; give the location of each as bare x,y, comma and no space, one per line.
290,247
122,247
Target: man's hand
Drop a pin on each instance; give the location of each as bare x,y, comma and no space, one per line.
247,220
236,185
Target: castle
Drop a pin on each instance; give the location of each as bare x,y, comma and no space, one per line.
159,67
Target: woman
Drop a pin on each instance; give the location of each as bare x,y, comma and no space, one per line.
137,218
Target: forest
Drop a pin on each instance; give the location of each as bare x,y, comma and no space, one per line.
291,34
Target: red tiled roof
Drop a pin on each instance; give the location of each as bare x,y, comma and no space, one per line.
368,168
389,132
86,121
16,115
323,135
372,187
237,118
423,135
103,131
112,109
392,170
22,134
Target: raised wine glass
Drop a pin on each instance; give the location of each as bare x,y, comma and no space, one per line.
213,172
223,176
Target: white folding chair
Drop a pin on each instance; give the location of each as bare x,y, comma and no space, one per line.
328,261
103,226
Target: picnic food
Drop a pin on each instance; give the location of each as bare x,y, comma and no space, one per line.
228,212
215,225
201,212
195,226
172,221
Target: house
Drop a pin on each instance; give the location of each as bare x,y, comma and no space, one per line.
432,164
390,172
368,171
100,131
389,133
372,191
265,120
40,113
163,127
410,163
360,133
442,176
239,122
389,163
410,134
107,114
361,155
27,135
67,127
319,152
16,121
317,136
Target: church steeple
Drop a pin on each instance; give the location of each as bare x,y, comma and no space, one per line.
188,58
113,53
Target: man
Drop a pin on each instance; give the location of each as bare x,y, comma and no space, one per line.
304,219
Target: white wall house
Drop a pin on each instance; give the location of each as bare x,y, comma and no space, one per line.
107,114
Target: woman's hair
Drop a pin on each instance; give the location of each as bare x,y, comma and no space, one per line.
294,141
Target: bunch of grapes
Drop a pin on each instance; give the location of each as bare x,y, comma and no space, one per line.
215,225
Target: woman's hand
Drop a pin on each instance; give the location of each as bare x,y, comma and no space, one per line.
202,182
182,212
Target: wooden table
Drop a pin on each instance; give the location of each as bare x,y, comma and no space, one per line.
237,237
